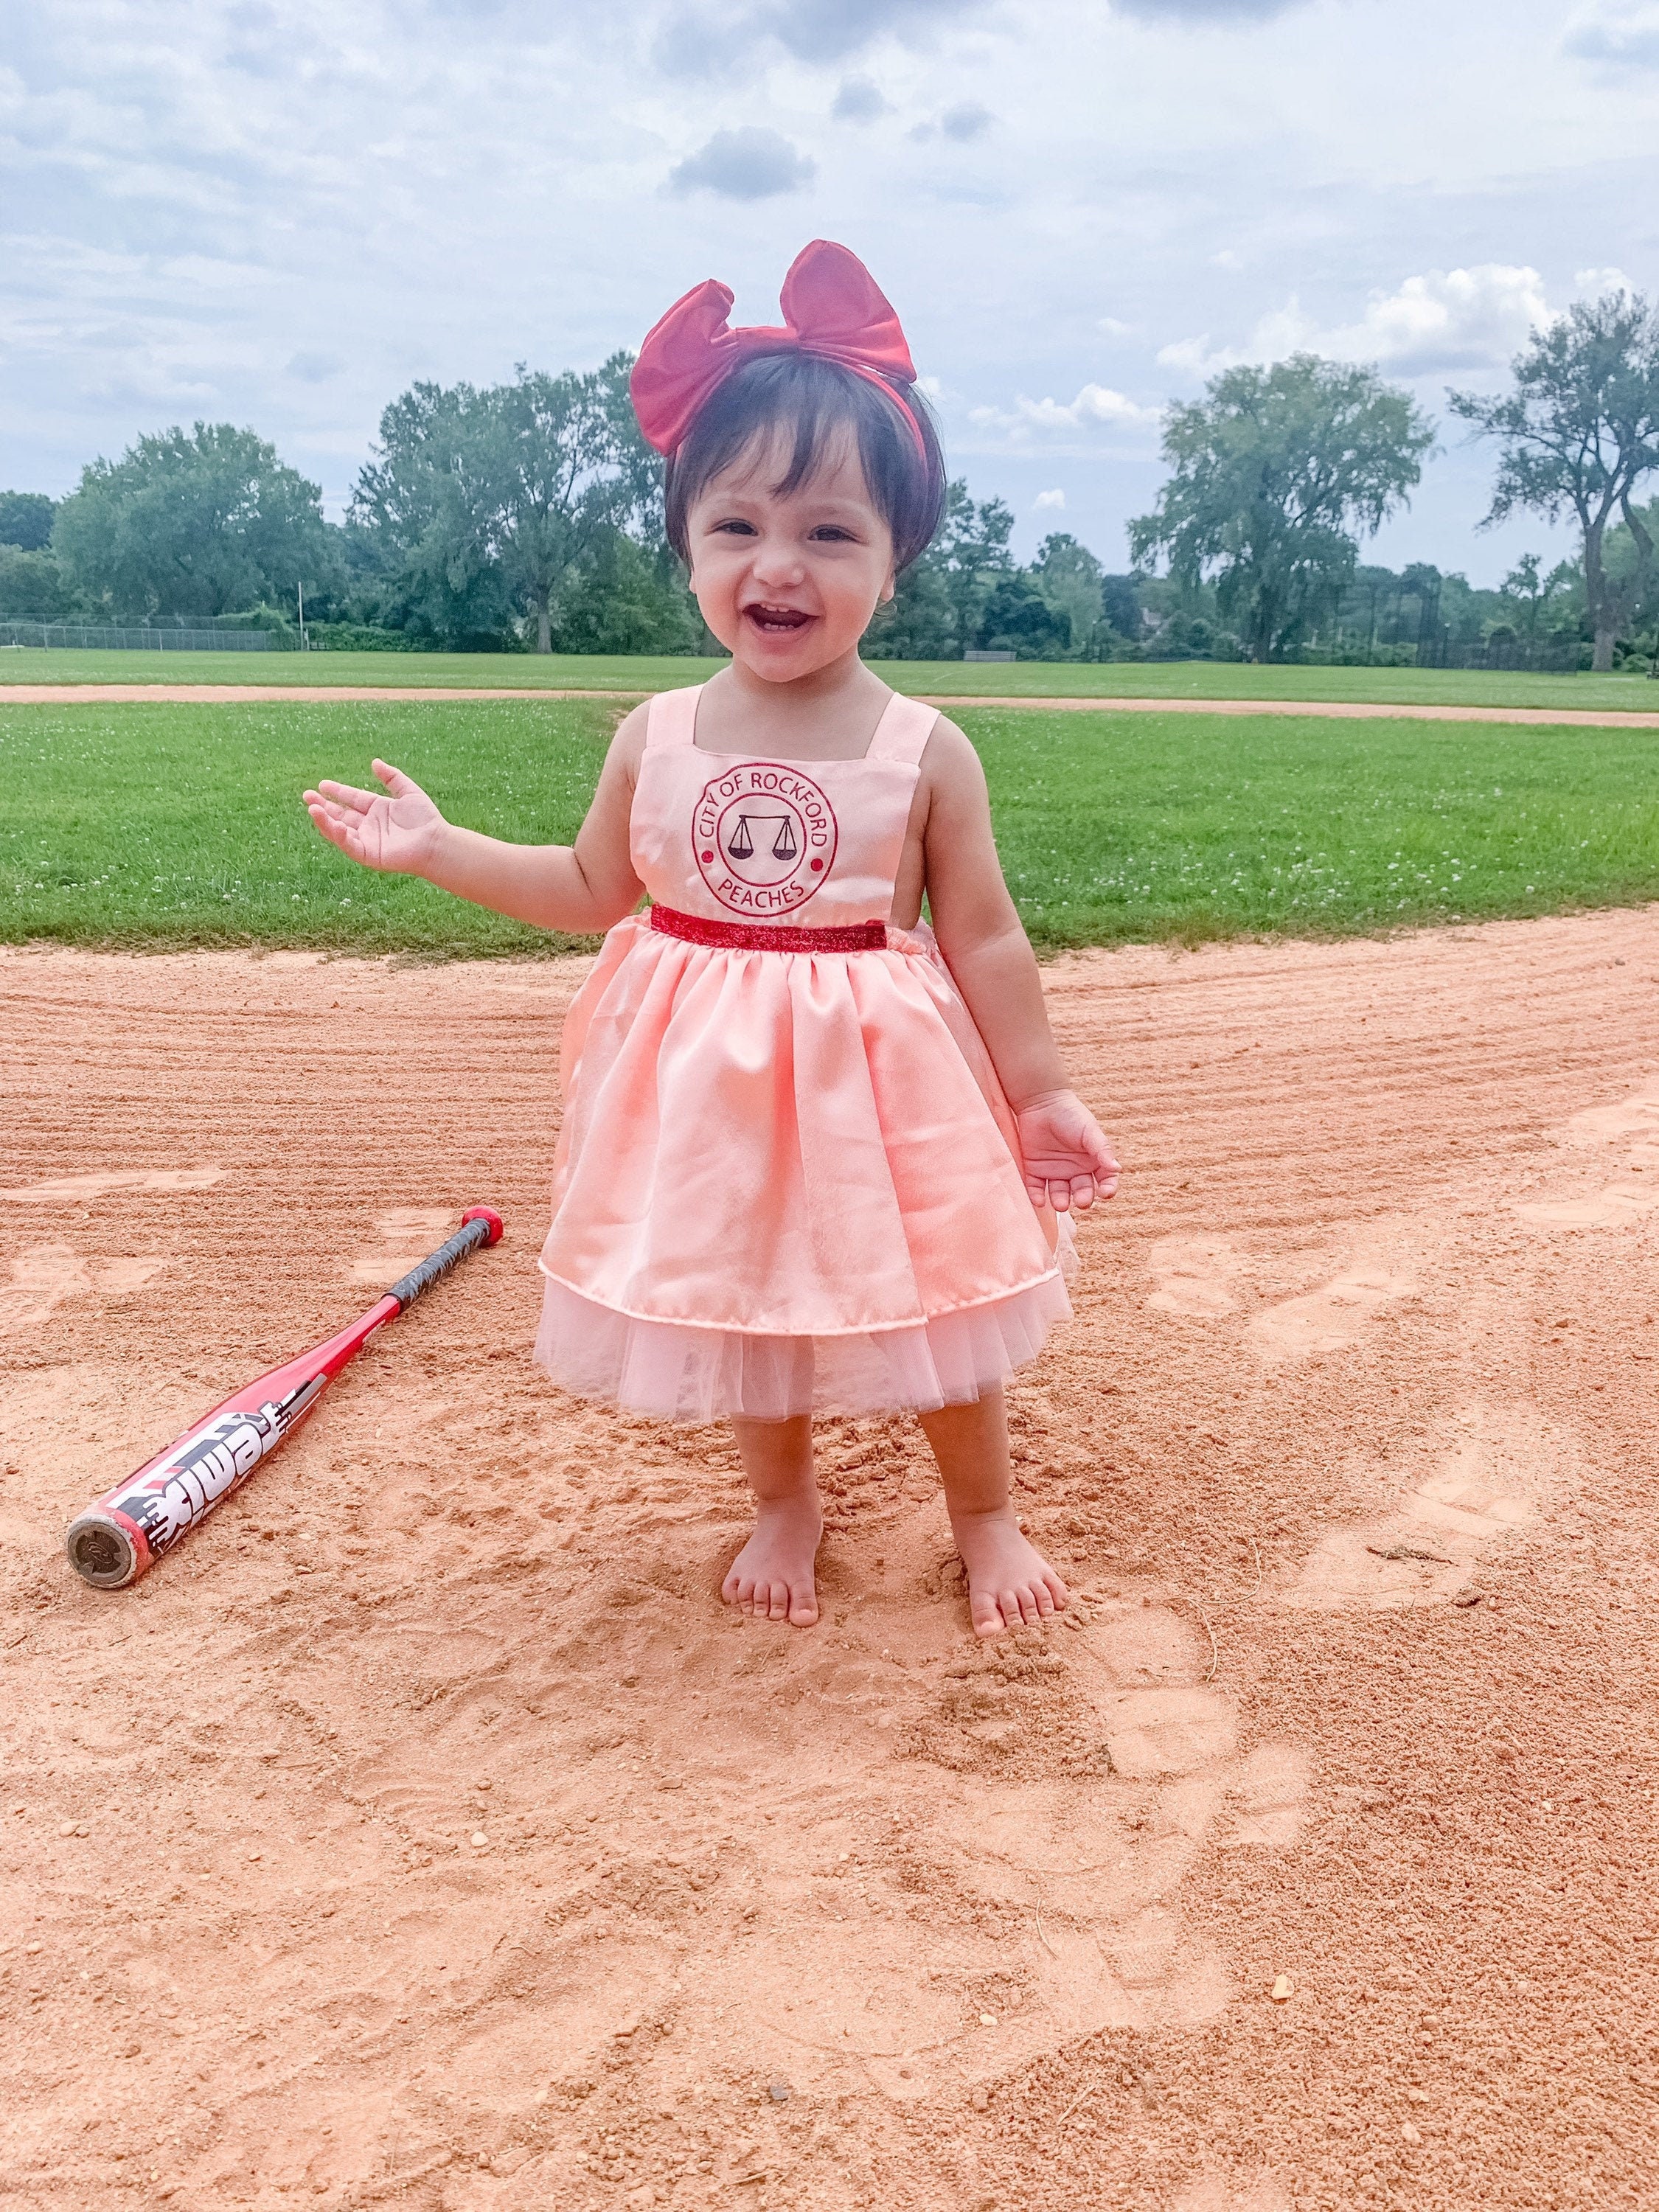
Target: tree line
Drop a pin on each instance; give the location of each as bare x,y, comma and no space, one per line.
528,516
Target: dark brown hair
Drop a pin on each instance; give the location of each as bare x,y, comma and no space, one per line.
806,400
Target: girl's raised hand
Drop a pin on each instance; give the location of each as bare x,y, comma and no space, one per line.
1068,1163
396,829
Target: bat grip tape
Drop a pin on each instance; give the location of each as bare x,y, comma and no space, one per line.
438,1264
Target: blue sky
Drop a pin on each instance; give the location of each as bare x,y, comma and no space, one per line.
283,213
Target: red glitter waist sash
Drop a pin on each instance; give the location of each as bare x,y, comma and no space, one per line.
770,937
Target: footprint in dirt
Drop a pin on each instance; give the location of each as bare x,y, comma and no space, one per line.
1620,1204
1194,1275
906,1902
408,1233
100,1185
1331,1317
1635,1116
1197,1276
1211,2192
1490,1478
51,1273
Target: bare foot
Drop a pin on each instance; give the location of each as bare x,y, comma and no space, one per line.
771,1578
1010,1583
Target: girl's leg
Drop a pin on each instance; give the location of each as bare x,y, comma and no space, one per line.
1010,1583
771,1578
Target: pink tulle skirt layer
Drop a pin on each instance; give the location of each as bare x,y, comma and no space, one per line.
675,1373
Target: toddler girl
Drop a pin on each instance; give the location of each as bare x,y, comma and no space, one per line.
814,1156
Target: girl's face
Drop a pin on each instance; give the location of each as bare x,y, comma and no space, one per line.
789,583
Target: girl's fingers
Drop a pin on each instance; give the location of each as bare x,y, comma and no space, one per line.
347,795
1083,1192
338,831
395,780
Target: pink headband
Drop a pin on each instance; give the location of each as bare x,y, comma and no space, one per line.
832,307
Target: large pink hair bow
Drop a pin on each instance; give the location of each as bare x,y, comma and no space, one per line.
832,306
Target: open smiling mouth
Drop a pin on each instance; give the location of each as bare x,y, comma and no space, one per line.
776,621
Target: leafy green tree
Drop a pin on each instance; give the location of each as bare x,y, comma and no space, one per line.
973,550
1635,576
1275,472
26,519
938,611
1578,433
484,505
1119,600
1019,619
32,586
201,522
1524,585
1072,582
624,599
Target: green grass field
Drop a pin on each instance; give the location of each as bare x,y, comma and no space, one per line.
170,825
1028,679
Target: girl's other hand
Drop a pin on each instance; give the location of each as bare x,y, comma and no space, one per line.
1068,1163
396,829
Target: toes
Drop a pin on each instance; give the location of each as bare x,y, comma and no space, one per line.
778,1604
1056,1590
1008,1601
982,1608
1043,1599
803,1607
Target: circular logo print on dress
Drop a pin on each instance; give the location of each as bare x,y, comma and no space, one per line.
764,836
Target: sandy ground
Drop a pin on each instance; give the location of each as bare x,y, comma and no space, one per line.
425,1832
73,695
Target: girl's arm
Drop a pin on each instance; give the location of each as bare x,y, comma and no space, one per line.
1067,1161
582,888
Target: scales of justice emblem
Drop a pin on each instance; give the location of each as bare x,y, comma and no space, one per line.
765,837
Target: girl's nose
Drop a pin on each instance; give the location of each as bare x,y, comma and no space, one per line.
777,562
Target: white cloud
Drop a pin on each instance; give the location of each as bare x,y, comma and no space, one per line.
1596,283
700,40
1048,502
1114,328
751,164
860,100
1450,318
315,366
1625,32
1097,407
968,118
1205,11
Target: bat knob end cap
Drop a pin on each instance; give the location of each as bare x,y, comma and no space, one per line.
103,1551
485,1213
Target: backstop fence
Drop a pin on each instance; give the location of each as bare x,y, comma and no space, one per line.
150,637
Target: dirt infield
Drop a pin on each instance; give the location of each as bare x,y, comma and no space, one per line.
80,695
426,1832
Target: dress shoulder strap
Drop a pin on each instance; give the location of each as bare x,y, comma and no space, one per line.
671,718
903,730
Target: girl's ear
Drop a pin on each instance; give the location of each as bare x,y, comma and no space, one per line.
886,591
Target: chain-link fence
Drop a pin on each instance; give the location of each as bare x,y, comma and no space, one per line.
101,637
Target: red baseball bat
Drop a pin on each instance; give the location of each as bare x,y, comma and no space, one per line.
121,1535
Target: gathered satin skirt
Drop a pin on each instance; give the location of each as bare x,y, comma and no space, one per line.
787,1183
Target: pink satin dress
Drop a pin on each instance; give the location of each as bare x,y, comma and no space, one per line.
787,1182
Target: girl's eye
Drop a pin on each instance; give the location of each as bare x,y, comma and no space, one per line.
735,528
834,532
